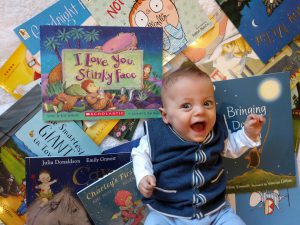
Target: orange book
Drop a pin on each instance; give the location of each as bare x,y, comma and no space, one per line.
19,73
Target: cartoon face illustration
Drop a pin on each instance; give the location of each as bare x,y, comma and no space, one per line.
153,13
44,177
160,13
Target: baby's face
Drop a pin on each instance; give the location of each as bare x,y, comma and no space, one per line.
189,107
154,12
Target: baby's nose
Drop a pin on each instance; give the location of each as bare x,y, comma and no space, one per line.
199,110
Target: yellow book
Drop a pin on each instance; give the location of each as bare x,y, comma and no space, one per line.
100,130
19,73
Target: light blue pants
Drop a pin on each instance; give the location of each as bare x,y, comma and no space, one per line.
224,216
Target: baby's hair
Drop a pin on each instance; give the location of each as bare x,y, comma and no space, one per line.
185,70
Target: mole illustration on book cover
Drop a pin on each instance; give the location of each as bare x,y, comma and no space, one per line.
101,72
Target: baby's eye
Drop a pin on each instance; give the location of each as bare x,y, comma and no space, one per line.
186,105
209,104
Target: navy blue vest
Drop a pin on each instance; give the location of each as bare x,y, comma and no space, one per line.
190,177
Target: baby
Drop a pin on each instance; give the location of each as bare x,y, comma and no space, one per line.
178,164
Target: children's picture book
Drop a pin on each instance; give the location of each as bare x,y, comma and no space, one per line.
204,47
114,199
124,147
266,25
271,165
17,115
106,73
275,206
182,21
20,72
63,12
234,58
12,184
295,93
52,184
98,131
124,129
23,122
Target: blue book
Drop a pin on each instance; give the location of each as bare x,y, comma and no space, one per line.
114,199
270,165
126,147
266,25
24,124
275,206
52,184
63,12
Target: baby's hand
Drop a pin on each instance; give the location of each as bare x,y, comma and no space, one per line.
147,185
253,126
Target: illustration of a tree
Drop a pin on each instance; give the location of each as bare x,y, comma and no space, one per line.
52,44
64,36
91,36
77,34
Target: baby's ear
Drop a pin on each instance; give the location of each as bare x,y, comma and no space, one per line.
163,115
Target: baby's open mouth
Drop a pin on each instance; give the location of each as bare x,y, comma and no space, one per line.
198,127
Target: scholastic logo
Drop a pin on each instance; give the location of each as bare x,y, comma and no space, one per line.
109,113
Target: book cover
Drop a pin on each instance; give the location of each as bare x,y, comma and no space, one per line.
234,58
12,184
275,206
124,129
266,25
123,147
182,21
23,121
20,72
114,199
270,165
295,93
106,73
98,131
204,47
63,12
51,193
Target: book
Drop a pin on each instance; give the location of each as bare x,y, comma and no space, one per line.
51,193
275,206
123,147
23,122
204,47
108,73
12,184
295,93
182,21
63,12
271,165
124,129
114,199
234,58
266,25
20,73
98,131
